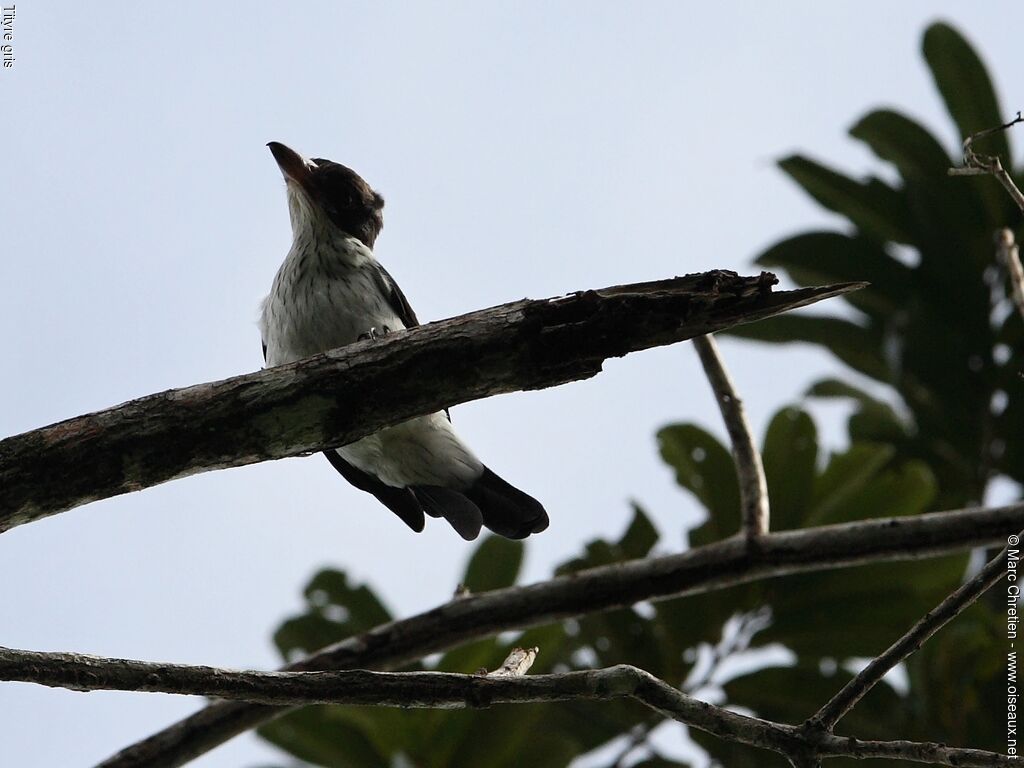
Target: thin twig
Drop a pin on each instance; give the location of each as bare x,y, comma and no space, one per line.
450,690
826,717
991,165
981,165
699,570
749,467
1008,255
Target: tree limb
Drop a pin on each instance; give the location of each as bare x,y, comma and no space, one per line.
749,468
450,690
714,566
345,394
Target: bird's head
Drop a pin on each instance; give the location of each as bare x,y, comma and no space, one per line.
325,194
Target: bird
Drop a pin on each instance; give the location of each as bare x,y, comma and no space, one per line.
331,291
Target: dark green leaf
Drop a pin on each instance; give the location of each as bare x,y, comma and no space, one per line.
305,634
696,619
846,475
704,467
494,564
906,144
838,388
855,345
965,86
877,209
730,754
323,735
471,658
957,676
855,613
790,454
944,209
364,609
623,636
770,693
640,537
905,488
817,258
877,424
875,421
336,610
598,552
507,737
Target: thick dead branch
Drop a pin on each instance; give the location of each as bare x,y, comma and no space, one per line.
830,714
348,393
749,468
699,570
449,690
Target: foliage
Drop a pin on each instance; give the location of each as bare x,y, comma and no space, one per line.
825,619
936,326
935,331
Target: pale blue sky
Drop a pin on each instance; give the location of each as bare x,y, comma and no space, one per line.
524,150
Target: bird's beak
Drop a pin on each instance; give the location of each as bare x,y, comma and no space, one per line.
293,165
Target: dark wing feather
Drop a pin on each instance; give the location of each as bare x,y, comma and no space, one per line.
397,301
401,501
461,513
399,304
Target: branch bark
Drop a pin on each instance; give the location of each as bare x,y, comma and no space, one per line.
348,393
749,468
706,568
450,690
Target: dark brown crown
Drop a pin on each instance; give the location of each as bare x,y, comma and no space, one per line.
350,203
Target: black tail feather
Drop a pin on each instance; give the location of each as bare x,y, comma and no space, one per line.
489,502
506,510
463,515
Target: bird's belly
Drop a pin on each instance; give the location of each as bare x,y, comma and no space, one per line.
421,451
308,313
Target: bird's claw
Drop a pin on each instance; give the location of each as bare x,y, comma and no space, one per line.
374,334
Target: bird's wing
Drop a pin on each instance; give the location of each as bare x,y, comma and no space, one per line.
401,501
396,299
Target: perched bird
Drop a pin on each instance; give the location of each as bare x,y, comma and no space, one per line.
331,291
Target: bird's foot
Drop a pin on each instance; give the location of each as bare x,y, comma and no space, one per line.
373,333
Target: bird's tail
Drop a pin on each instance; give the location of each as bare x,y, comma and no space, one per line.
505,509
490,502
